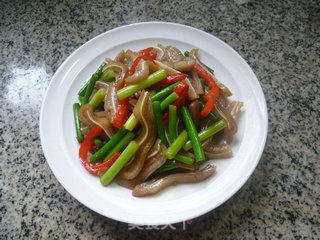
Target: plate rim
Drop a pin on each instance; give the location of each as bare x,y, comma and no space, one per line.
197,213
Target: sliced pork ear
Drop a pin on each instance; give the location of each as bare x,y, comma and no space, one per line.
194,54
196,83
156,185
119,68
217,151
111,102
144,112
141,73
155,160
192,95
89,120
232,127
194,109
234,108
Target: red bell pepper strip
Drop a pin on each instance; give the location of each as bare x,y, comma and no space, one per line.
171,79
122,113
147,51
87,145
182,91
210,98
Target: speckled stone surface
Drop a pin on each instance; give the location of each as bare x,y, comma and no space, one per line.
279,39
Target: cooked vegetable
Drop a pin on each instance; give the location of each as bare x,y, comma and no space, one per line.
170,165
109,75
122,113
168,100
108,146
172,123
210,131
99,70
177,144
164,92
184,159
86,147
121,144
171,79
131,89
156,185
89,89
212,116
125,156
193,135
98,142
76,107
160,127
131,123
97,98
210,98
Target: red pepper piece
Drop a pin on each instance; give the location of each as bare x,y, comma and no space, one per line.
171,79
147,51
210,98
134,64
165,116
121,115
87,145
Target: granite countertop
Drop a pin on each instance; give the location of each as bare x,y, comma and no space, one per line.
279,39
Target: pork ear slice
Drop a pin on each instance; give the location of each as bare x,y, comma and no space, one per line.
155,160
144,112
156,185
89,119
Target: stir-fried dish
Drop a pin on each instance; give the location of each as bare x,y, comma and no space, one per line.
150,119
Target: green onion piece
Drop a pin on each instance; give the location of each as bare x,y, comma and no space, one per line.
139,131
109,75
193,135
152,92
212,116
208,132
131,89
177,144
125,156
120,145
209,69
170,165
131,122
97,98
203,83
82,91
89,89
172,123
168,100
76,107
159,121
99,71
184,159
164,92
108,146
98,142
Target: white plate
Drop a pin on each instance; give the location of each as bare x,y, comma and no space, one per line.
177,203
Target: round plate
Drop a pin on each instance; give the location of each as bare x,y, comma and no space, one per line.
176,203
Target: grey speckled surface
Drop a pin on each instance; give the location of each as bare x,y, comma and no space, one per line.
279,39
